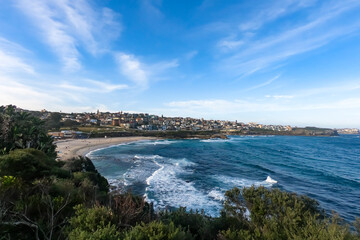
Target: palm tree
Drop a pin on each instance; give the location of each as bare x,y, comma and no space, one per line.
22,130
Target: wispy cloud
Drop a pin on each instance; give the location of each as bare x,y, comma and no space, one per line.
140,73
9,63
265,52
344,97
263,84
14,92
272,11
221,107
66,24
63,97
230,44
151,8
93,86
133,69
54,31
280,96
341,112
11,59
190,55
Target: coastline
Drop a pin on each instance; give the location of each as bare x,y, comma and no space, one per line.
71,148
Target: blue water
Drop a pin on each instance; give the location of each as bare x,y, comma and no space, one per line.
196,173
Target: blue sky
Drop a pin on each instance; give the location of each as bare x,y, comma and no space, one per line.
272,62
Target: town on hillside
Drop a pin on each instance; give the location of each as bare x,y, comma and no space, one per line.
71,123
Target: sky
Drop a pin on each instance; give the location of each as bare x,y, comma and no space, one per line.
272,62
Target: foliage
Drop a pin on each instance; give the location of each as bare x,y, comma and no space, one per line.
276,214
37,194
130,210
70,123
29,164
85,175
93,223
199,225
53,122
22,130
8,181
157,231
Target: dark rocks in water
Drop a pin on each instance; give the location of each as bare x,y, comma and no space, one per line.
220,136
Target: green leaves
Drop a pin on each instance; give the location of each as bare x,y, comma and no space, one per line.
157,231
93,223
21,130
276,214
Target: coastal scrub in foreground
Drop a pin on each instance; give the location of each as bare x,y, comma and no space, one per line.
41,198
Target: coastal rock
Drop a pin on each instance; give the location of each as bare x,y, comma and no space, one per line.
219,136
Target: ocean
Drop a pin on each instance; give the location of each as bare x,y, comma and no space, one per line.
196,173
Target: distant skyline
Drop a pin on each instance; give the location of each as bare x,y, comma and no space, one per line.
271,62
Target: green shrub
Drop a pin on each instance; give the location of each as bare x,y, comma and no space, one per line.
276,214
93,223
29,164
157,231
199,225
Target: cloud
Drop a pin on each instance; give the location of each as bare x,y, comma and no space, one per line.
133,69
93,86
271,12
24,96
10,59
230,44
221,107
345,98
335,113
66,24
54,31
10,63
280,96
266,51
190,55
151,8
141,73
63,97
263,84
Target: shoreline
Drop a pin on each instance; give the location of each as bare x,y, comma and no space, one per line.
71,148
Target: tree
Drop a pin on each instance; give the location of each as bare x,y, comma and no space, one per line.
22,130
53,123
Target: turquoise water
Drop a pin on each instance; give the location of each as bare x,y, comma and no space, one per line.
196,173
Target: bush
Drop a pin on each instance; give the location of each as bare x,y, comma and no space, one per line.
93,223
157,231
276,214
131,210
199,225
29,164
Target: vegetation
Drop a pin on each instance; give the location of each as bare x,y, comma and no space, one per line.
41,198
22,130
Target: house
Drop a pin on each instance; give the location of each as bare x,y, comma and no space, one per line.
115,121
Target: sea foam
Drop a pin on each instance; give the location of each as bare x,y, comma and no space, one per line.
270,180
165,188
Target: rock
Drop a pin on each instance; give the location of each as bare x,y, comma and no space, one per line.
220,136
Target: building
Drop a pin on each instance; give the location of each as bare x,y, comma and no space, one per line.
116,122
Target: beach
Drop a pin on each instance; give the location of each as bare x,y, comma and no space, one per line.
70,148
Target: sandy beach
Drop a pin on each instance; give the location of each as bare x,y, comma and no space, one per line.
70,148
